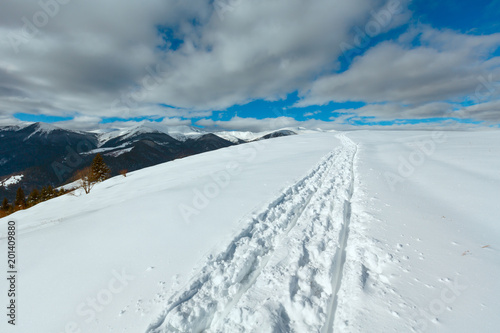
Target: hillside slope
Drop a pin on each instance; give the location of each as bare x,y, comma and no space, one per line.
71,248
358,232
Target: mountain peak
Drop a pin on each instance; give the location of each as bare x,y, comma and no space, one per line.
44,127
41,129
139,129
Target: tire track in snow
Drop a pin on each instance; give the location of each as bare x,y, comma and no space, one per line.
278,274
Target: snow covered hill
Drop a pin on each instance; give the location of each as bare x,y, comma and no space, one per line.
346,232
296,246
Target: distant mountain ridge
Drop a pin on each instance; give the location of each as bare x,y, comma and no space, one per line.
45,154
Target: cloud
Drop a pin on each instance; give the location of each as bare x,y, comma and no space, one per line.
94,57
85,55
175,122
7,120
89,123
260,50
446,66
488,112
81,123
310,114
342,122
389,111
248,124
93,60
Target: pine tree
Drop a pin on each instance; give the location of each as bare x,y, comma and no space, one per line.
5,205
50,192
44,195
34,197
99,170
20,202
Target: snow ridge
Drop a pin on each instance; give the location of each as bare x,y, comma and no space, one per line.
282,273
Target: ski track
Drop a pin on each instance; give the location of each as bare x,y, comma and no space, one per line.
282,273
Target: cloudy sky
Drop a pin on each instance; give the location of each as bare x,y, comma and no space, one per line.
251,64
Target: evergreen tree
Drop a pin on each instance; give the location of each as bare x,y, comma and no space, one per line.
20,202
44,194
5,205
50,192
34,198
99,170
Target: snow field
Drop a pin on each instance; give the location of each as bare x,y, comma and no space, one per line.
425,246
282,272
69,247
415,251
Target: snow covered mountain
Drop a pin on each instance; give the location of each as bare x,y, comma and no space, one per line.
346,232
42,153
46,154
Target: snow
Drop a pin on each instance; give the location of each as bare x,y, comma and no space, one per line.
104,150
119,152
369,231
43,128
125,133
70,186
183,133
180,133
134,223
235,136
15,127
12,180
46,128
139,130
184,136
280,250
102,138
412,234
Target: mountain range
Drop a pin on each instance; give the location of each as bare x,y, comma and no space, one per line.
39,154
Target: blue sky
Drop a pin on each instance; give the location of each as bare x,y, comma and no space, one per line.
476,17
373,63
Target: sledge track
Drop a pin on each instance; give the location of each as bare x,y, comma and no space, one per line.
282,273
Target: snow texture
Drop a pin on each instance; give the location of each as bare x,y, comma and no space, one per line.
366,231
295,245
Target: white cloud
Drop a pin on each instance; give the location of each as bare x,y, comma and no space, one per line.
310,114
447,67
89,123
7,119
261,50
91,54
175,122
343,123
248,124
81,123
95,59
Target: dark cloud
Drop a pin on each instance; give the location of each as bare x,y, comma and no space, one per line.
94,59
